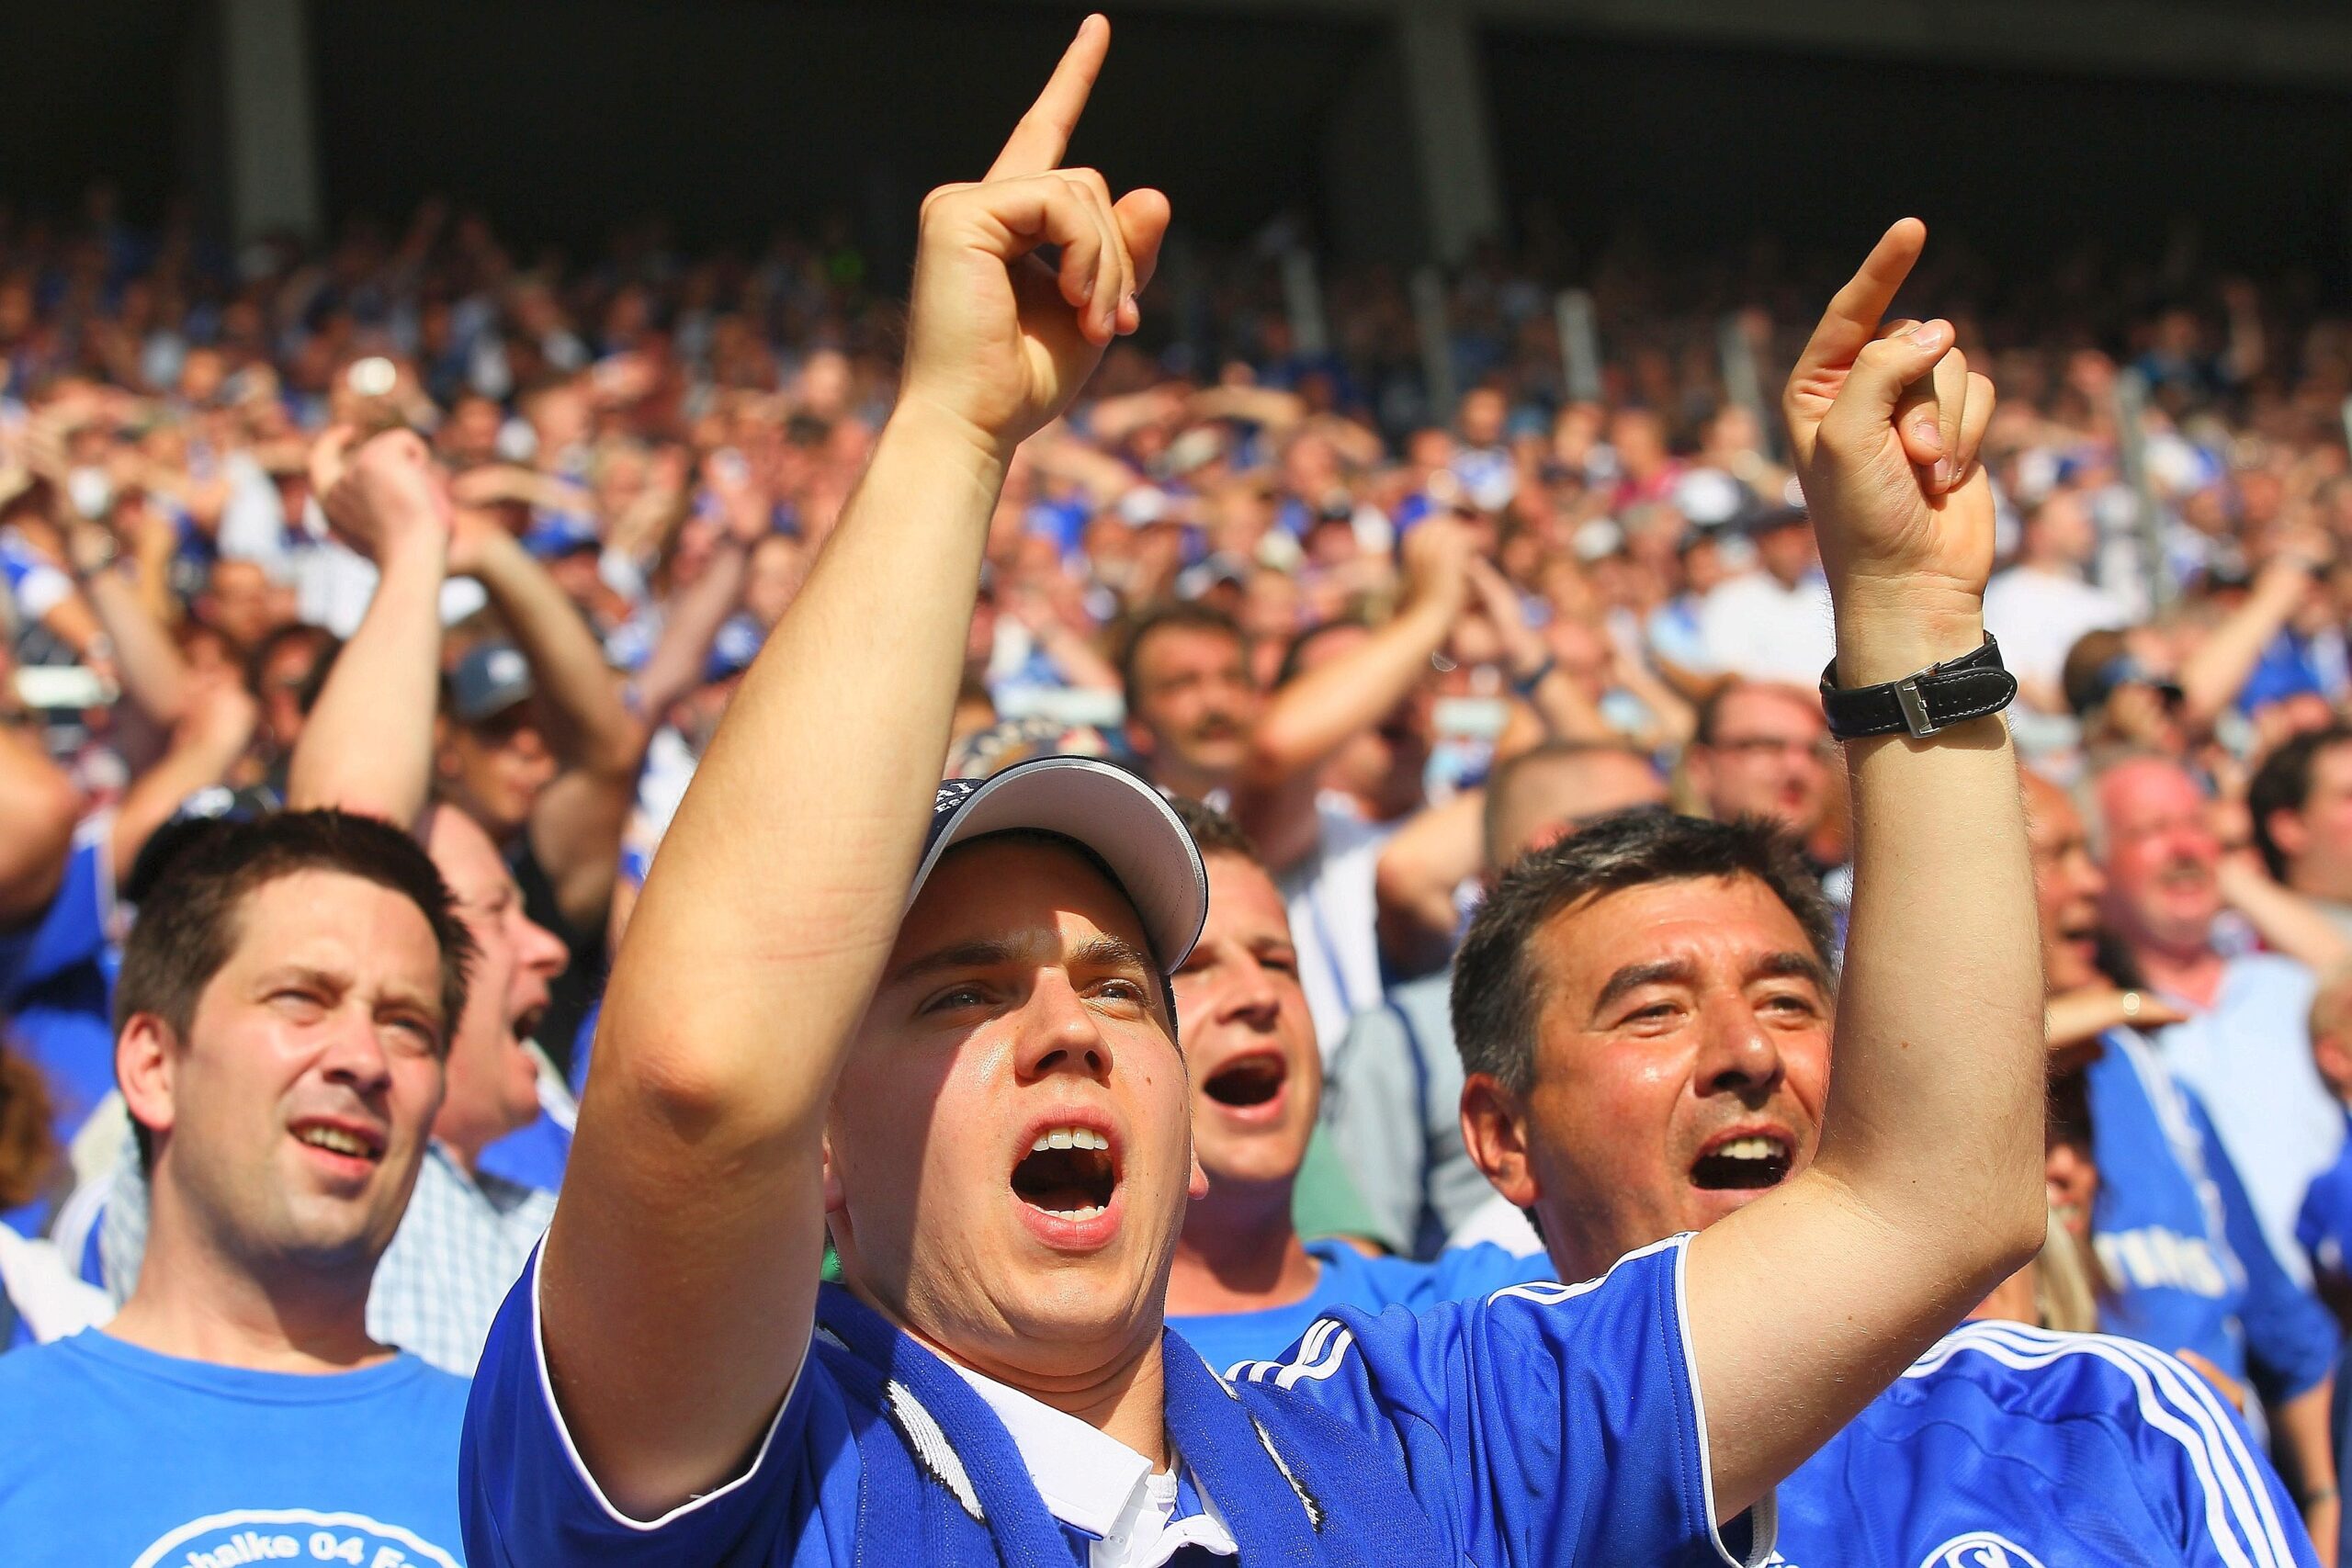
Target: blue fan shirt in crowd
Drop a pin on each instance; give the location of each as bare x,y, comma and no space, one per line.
57,984
146,1461
2014,1446
2323,1226
1547,1425
1346,1278
2192,1266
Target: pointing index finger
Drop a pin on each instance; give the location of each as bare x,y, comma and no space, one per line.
1037,142
1853,315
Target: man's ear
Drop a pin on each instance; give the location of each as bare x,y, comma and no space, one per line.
1139,737
1494,1130
2287,831
2334,1064
836,1199
146,1067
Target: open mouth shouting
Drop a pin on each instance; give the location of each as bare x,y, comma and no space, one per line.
1066,1182
1744,1160
1250,1087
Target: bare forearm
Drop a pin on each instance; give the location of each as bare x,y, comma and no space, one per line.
2211,677
2306,1443
153,675
695,615
1927,1189
1938,1022
590,725
367,746
2285,918
1316,714
778,879
1419,869
202,755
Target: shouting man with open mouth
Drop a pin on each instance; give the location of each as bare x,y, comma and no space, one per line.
851,1000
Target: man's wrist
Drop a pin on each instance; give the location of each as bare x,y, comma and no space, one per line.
1885,638
944,436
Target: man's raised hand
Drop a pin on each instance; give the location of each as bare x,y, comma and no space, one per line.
1886,422
996,338
379,492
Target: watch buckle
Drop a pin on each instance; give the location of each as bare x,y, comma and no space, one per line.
1915,717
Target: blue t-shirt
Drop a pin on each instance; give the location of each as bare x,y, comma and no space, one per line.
2192,1265
1547,1425
1349,1278
2015,1446
2323,1226
57,983
128,1459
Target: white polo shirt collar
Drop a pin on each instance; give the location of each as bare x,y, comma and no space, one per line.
1098,1485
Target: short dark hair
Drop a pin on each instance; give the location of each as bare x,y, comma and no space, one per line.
2283,783
1214,832
1186,613
1498,983
189,922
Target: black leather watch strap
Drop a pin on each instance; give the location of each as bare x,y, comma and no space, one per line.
1970,686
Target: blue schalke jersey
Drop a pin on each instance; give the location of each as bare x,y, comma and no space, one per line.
1547,1425
122,1457
2192,1266
2010,1447
1346,1278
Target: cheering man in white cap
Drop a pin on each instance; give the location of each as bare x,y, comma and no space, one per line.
974,1085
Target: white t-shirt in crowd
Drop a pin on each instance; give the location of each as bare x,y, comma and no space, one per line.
1334,919
1753,626
2249,1058
2039,615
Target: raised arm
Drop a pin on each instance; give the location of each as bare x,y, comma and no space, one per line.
367,746
39,806
698,611
153,675
576,821
680,1276
1320,711
1928,1188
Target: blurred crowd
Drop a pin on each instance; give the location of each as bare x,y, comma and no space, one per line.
1258,561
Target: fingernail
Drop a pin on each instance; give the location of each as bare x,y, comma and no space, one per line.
1929,435
1942,475
1930,334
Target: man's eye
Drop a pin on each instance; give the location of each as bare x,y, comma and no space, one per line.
1656,1012
955,999
1123,990
415,1033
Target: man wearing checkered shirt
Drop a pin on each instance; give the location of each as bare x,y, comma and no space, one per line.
467,1233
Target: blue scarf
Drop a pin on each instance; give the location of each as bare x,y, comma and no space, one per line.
942,1484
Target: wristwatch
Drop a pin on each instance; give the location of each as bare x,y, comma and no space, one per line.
1970,686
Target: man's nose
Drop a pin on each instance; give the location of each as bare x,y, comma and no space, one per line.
543,950
1737,1052
1059,1033
353,1051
